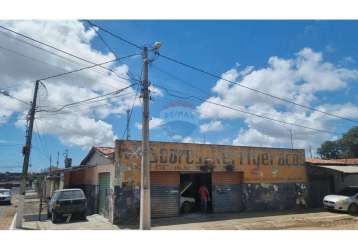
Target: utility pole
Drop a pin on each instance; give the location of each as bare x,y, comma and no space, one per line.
58,159
145,211
128,121
26,152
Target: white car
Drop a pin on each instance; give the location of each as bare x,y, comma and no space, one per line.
186,203
5,196
346,200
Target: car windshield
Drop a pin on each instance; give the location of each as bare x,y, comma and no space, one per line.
71,194
4,192
348,191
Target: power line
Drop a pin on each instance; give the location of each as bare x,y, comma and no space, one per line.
244,111
60,56
26,56
88,67
89,99
79,106
106,44
115,35
6,93
221,78
185,82
131,111
65,52
253,89
37,131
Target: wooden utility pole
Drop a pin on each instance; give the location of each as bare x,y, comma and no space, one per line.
145,212
26,151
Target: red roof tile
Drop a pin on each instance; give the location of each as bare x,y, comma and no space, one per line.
105,150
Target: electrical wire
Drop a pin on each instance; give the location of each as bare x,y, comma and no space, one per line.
253,89
60,50
88,67
62,57
131,111
89,99
243,111
115,35
37,131
6,93
221,78
107,45
80,107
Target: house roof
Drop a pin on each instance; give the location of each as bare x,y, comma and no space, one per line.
347,169
316,161
105,151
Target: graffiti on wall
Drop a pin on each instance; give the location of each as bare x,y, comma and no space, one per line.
264,196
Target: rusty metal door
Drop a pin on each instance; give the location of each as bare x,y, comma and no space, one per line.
227,191
164,194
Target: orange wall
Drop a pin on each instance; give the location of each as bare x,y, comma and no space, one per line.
88,175
270,165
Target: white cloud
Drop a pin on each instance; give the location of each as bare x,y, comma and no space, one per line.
189,139
17,75
154,123
300,79
211,126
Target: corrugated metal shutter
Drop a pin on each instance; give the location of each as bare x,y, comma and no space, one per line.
226,192
165,194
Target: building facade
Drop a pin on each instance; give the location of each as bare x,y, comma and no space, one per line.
95,176
238,178
329,177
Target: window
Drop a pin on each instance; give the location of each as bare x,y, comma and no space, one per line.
71,194
348,191
5,192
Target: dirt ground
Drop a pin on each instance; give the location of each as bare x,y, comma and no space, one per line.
292,220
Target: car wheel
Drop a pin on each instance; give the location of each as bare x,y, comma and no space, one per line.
186,207
83,216
54,217
353,209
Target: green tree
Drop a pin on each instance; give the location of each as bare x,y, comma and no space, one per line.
329,150
349,143
346,147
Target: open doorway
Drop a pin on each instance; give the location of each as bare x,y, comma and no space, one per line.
189,196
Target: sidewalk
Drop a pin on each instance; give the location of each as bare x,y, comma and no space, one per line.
93,222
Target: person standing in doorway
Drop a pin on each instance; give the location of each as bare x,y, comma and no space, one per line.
204,198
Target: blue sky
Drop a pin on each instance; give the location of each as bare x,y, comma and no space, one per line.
217,46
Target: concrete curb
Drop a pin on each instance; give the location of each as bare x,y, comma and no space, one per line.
12,226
